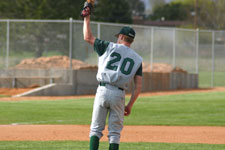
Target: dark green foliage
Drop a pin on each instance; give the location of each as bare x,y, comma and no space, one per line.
112,11
171,11
109,11
137,7
40,9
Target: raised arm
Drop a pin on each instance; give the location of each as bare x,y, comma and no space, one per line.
88,37
134,95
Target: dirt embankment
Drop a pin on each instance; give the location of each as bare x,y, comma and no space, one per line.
64,62
52,62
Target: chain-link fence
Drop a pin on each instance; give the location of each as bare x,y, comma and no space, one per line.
196,51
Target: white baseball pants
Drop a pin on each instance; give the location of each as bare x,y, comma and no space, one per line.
108,100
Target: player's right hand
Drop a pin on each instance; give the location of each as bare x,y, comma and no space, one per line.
127,110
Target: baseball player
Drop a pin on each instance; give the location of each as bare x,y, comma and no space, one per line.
118,65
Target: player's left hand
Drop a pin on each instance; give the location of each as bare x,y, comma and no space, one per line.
127,110
87,9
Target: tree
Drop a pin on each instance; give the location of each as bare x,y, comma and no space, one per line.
156,3
40,9
41,34
211,14
208,14
137,7
172,11
117,11
106,10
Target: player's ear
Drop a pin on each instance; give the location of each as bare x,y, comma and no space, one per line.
122,37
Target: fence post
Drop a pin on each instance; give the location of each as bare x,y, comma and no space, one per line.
98,36
99,30
152,48
70,42
197,51
7,43
213,58
174,48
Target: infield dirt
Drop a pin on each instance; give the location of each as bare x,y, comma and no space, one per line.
164,134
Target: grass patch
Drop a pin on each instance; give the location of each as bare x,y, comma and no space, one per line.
199,109
206,77
75,145
4,96
47,112
202,109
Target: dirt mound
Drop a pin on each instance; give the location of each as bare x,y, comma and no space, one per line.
161,68
52,62
64,62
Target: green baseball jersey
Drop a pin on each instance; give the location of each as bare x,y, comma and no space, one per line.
117,64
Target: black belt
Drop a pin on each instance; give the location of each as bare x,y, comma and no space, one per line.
104,84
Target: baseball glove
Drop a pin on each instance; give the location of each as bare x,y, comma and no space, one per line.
87,9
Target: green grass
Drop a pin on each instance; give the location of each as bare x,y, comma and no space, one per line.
46,112
205,109
4,96
205,79
75,145
200,109
187,109
2,62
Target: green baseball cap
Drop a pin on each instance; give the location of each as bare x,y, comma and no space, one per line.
128,31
